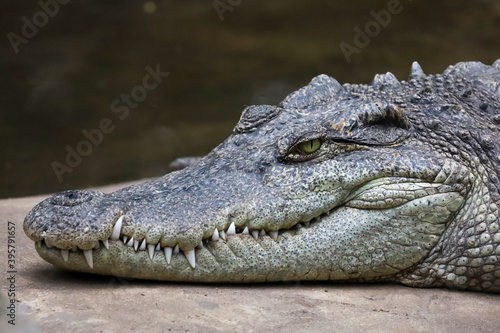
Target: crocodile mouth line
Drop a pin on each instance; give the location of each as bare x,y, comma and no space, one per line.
168,252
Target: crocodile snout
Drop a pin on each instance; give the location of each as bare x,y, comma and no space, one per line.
71,198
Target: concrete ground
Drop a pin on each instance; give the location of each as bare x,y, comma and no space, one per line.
53,300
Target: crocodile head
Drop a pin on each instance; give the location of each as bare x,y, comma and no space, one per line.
393,181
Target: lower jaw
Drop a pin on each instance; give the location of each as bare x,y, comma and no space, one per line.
239,259
311,253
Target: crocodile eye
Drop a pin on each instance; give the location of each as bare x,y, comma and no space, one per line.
308,147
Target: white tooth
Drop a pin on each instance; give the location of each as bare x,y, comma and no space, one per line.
130,242
125,239
262,233
255,234
168,254
38,244
151,250
88,257
48,244
245,231
201,245
143,245
136,244
96,246
106,244
65,255
232,229
190,257
176,249
222,235
273,234
117,228
215,236
158,247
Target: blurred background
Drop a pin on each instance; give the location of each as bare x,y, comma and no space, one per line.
67,66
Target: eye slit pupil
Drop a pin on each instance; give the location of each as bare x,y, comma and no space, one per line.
309,146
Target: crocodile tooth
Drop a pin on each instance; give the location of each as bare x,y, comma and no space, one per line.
262,233
190,256
168,254
48,244
38,244
117,228
96,247
232,229
136,244
106,244
215,236
65,255
305,224
223,235
125,239
273,234
130,242
143,245
245,231
255,234
151,250
88,258
201,245
176,249
158,247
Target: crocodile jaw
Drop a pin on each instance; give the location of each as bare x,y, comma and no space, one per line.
340,244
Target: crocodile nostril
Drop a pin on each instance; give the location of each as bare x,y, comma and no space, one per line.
71,198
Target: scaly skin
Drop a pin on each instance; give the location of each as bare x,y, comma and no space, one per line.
392,181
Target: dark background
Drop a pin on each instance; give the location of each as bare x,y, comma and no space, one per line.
65,78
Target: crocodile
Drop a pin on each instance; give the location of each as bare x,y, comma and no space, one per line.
393,181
